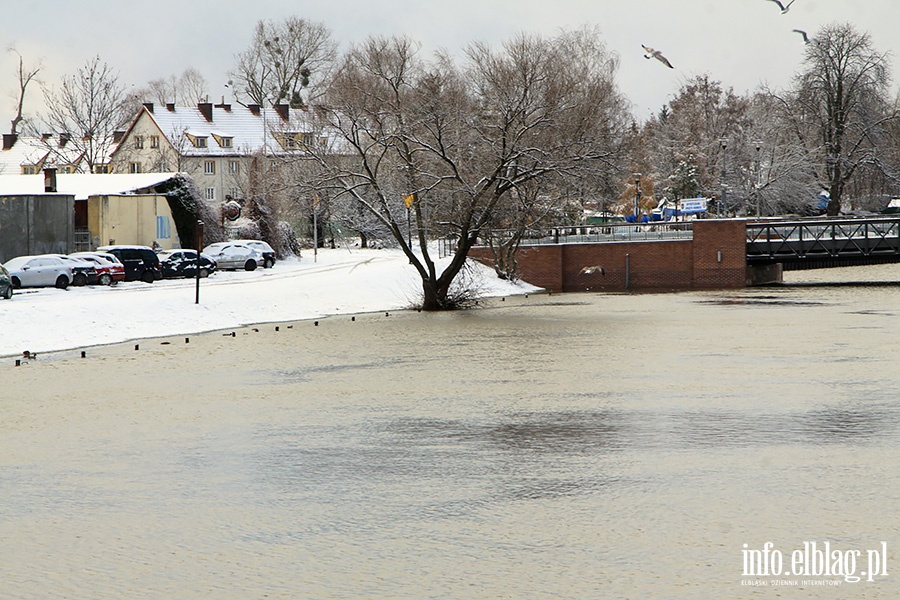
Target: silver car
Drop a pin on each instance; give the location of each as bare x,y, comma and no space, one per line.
231,256
39,271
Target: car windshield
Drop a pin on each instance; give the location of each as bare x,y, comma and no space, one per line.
16,263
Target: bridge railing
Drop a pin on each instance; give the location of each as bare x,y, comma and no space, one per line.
609,232
770,240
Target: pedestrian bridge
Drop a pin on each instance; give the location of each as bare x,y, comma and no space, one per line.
822,243
801,243
701,254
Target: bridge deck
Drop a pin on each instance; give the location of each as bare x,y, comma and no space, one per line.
823,240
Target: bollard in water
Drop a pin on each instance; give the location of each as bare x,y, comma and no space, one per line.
83,354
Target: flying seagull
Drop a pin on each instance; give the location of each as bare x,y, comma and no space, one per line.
803,33
592,270
651,53
784,7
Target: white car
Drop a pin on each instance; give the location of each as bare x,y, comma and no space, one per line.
265,249
39,271
232,255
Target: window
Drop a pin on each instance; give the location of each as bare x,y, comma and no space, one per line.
234,166
235,192
138,141
308,139
226,142
134,167
101,169
29,170
209,167
154,141
210,193
200,142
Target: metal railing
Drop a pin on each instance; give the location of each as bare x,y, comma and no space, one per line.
82,240
612,232
822,238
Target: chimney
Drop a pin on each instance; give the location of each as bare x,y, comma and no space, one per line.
149,106
206,109
9,140
254,108
117,136
46,136
170,106
50,180
225,107
63,139
282,110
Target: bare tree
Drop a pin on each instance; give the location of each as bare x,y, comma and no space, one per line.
840,105
89,105
284,58
186,89
705,127
24,76
454,143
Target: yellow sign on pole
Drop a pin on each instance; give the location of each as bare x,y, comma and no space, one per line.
409,200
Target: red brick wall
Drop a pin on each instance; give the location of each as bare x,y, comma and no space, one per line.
720,254
715,258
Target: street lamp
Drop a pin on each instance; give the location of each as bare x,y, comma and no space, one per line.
756,189
637,197
723,204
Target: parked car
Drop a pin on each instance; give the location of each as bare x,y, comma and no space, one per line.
232,255
39,271
183,263
109,269
6,285
83,271
141,262
267,251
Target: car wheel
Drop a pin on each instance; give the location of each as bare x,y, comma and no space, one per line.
269,263
250,265
105,279
147,277
62,282
8,293
204,273
16,283
79,280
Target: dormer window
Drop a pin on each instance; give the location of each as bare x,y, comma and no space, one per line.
198,141
224,141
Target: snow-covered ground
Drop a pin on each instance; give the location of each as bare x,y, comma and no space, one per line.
339,281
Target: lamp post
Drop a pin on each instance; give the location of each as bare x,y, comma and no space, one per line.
637,197
756,188
723,205
199,235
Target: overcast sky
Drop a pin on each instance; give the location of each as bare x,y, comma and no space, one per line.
741,43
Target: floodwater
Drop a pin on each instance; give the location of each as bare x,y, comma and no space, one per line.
567,446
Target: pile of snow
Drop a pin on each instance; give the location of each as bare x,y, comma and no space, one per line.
333,282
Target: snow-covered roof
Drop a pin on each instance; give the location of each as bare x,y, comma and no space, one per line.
40,151
244,126
82,185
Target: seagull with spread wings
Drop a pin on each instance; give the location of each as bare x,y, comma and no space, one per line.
651,53
803,33
784,7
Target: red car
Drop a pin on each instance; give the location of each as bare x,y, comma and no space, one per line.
109,269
